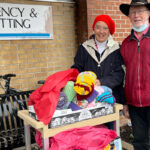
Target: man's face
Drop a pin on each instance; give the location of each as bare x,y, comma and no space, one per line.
138,15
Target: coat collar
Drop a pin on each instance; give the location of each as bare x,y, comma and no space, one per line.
90,47
132,36
110,43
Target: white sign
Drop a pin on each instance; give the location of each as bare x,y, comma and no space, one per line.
19,21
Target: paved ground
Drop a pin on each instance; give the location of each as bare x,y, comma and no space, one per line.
123,120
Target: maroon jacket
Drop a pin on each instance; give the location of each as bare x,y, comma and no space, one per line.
136,55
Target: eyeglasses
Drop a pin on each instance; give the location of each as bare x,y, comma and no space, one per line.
140,12
101,28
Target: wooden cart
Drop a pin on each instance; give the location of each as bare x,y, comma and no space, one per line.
49,132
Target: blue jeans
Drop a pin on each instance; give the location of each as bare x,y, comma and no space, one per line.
140,119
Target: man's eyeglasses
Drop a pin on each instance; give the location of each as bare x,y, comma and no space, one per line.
140,12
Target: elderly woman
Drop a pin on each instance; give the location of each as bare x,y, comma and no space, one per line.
101,54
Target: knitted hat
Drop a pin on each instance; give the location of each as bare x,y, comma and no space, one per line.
69,91
106,88
84,82
106,97
81,97
105,18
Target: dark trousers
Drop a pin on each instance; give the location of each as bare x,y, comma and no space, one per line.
140,119
110,125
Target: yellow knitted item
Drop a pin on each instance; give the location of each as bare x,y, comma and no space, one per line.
108,147
84,82
81,90
87,77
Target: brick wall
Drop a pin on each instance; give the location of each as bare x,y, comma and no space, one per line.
109,7
34,60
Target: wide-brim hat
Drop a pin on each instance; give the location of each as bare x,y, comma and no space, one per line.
124,8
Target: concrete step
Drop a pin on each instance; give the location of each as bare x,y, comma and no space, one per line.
127,146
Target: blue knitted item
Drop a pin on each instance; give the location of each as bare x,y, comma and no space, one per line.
74,106
106,88
106,97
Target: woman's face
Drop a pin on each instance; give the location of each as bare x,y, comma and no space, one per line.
101,31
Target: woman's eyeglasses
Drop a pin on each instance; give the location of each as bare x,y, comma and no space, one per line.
101,28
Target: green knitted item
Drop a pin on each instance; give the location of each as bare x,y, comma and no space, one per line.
69,91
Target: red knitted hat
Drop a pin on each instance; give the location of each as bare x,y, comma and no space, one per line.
105,18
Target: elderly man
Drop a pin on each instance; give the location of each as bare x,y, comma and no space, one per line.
135,51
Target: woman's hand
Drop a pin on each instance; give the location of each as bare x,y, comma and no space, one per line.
97,82
126,111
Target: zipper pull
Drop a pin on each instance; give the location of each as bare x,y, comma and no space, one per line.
138,43
138,46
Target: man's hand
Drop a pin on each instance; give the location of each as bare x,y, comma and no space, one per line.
126,111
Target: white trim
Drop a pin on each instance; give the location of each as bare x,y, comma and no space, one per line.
58,1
